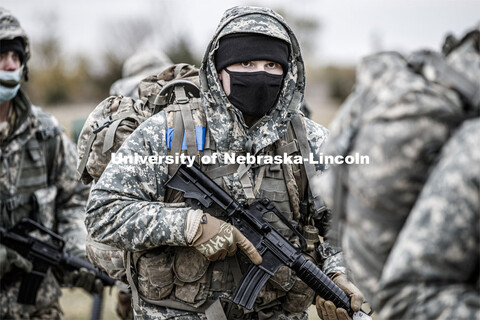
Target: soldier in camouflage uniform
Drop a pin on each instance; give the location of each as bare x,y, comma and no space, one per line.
433,269
182,255
37,180
410,217
137,67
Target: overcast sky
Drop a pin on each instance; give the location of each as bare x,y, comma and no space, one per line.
350,29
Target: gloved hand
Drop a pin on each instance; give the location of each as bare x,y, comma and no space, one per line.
83,278
10,258
216,239
124,306
326,310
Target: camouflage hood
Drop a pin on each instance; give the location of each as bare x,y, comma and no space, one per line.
10,28
226,122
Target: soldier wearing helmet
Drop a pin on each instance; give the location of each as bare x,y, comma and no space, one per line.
137,67
37,180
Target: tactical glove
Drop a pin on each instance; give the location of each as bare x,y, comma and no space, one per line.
83,278
10,258
124,306
216,239
326,310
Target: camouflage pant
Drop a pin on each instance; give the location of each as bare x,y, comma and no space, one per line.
50,312
46,305
152,312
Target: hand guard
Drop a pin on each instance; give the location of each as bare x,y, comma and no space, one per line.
326,310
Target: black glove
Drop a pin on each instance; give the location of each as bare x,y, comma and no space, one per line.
83,278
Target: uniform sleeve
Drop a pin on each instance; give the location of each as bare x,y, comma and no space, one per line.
433,269
126,208
70,199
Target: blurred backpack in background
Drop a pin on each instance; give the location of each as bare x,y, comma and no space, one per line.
400,114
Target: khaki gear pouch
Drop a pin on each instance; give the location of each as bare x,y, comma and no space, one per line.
107,258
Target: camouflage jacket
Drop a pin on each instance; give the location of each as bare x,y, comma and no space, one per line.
127,207
433,269
38,180
401,113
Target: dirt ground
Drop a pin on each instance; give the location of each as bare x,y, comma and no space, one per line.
77,305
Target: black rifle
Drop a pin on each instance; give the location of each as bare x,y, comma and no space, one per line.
276,251
97,305
43,256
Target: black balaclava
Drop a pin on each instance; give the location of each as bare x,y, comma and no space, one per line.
253,93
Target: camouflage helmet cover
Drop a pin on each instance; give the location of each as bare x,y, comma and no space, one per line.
10,28
145,62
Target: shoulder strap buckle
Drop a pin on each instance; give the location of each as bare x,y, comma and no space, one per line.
101,124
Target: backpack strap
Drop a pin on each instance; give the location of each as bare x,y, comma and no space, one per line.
295,181
48,132
113,126
189,129
133,287
99,126
83,162
446,76
178,69
301,134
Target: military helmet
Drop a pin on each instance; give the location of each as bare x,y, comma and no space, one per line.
145,62
10,28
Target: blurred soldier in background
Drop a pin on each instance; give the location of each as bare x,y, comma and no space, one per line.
139,66
37,181
433,269
410,218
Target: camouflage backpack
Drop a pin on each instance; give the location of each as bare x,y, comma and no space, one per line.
401,113
115,118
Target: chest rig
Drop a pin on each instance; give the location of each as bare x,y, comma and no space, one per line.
180,277
26,166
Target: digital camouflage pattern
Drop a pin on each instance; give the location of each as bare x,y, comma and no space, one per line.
432,271
28,188
10,28
401,113
127,207
124,114
37,180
